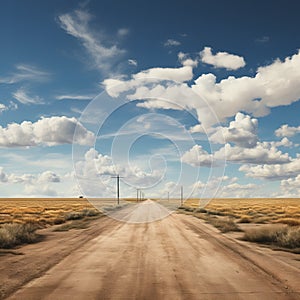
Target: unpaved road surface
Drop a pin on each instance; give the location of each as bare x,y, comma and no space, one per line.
178,257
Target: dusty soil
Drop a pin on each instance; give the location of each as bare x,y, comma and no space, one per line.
179,257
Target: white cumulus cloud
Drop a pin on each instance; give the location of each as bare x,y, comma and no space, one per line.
46,131
222,59
262,153
287,131
274,85
197,157
242,132
273,172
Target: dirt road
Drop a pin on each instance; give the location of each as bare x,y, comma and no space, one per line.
178,257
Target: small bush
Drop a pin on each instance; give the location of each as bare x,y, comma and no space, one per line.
282,236
90,212
200,210
15,234
189,209
74,216
58,221
245,219
215,213
224,225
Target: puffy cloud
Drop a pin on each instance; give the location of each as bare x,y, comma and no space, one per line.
114,87
3,107
46,131
263,153
45,183
287,131
222,59
49,176
22,96
45,177
237,190
197,157
185,60
95,170
242,132
171,43
11,106
273,85
197,129
291,185
95,164
25,73
77,24
285,142
182,74
224,187
273,172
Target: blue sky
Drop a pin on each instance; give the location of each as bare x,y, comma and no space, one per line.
204,95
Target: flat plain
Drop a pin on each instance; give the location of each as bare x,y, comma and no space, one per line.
180,256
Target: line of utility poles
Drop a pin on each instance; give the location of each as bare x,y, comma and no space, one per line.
181,195
139,195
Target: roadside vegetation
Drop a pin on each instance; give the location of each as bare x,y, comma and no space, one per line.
254,210
279,236
280,216
218,220
14,234
21,218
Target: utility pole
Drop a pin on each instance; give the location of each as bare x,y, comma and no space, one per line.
181,195
137,195
141,195
118,187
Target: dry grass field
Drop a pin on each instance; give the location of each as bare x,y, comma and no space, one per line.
277,221
254,210
42,211
21,217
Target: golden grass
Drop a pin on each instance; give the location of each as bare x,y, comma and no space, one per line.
253,210
281,236
41,210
